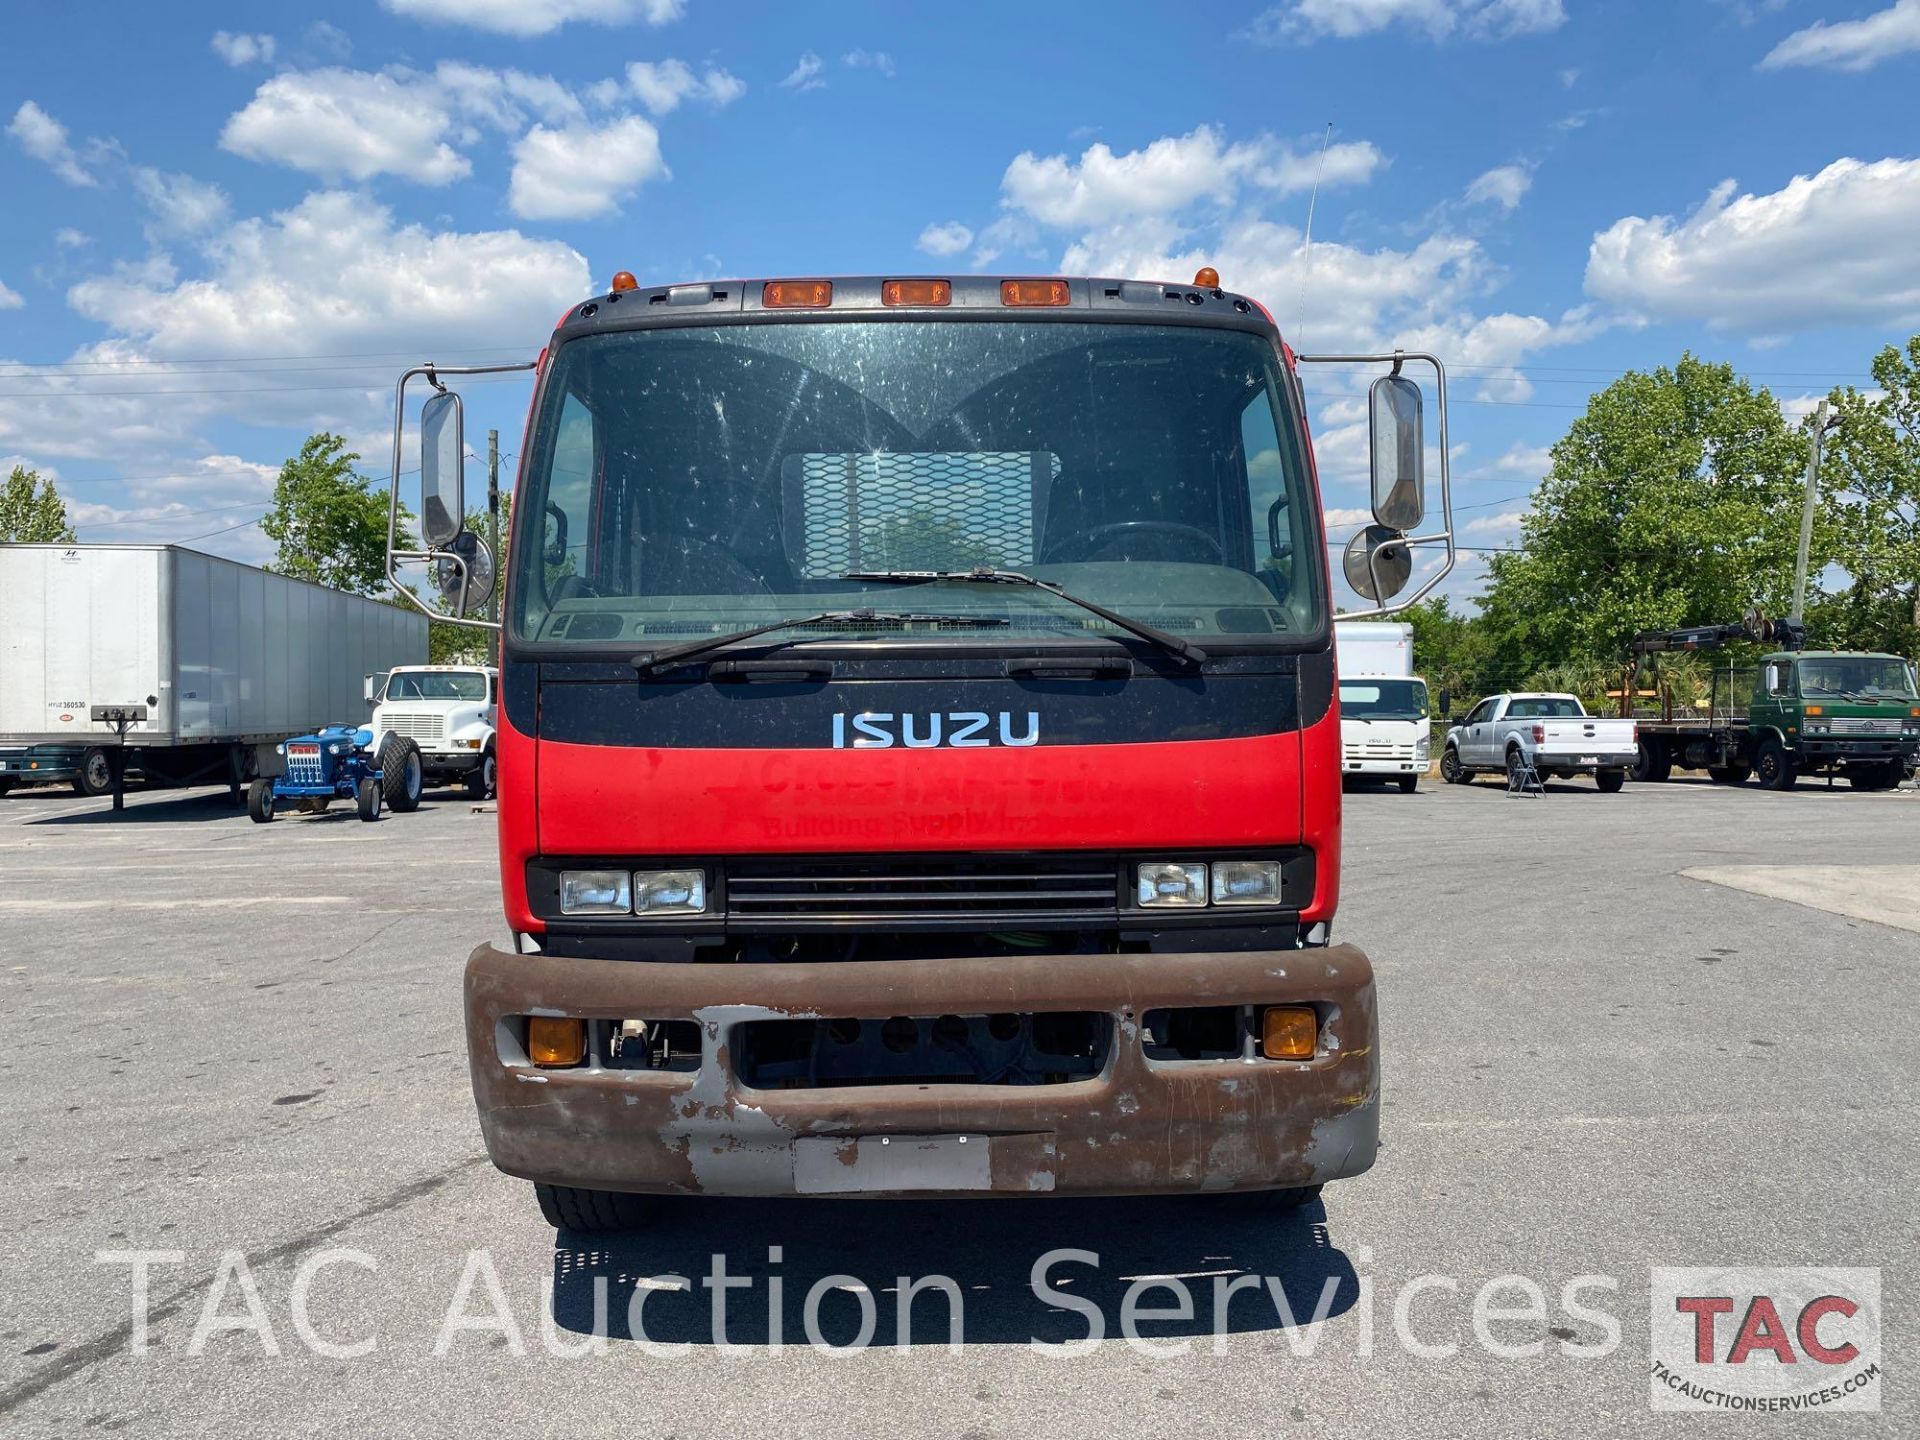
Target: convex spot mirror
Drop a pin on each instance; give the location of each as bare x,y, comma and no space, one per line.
1397,438
442,450
1377,563
466,580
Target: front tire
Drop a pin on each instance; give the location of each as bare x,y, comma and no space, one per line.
1775,766
1409,784
367,799
481,780
1878,777
260,801
95,776
589,1212
402,774
1451,770
1610,782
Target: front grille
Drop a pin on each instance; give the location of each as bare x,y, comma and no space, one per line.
304,765
1866,725
1002,888
1379,750
415,727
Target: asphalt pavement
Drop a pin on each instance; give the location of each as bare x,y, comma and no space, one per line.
237,1051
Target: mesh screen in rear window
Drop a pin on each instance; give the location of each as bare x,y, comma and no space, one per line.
946,510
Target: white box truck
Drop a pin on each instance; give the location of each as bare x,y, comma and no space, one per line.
181,664
1385,726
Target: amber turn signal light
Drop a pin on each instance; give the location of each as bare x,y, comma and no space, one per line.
623,280
917,292
797,294
554,1042
1289,1032
1034,292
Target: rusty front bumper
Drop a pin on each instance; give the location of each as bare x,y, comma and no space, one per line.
1141,1126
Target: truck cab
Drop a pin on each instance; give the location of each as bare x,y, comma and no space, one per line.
447,711
1385,729
1814,711
921,748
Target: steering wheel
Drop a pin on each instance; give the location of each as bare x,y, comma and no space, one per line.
1190,541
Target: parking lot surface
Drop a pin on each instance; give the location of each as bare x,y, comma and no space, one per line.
222,1037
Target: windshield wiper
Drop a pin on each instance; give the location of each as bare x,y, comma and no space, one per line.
1184,650
652,661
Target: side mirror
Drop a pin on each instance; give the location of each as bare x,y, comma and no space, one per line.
443,449
1377,563
554,548
466,576
1397,437
366,688
1443,703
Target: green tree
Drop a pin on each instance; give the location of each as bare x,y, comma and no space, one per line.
1870,511
31,510
329,522
1674,500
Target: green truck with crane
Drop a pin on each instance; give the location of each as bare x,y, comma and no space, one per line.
1796,712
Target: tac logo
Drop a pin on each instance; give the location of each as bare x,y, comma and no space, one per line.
1756,1340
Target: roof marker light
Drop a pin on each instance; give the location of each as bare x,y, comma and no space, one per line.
1034,292
916,292
623,280
797,294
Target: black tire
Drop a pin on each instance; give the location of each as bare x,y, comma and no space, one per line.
589,1212
6,785
402,775
1876,777
1516,762
1774,766
1451,770
481,780
366,799
1610,782
95,775
1652,761
260,801
1409,784
1729,774
1289,1199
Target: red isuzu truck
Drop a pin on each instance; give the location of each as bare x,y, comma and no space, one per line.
919,754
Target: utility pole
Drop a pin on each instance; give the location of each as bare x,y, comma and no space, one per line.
1806,516
492,519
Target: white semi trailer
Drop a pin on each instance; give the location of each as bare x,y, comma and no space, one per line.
184,665
1385,728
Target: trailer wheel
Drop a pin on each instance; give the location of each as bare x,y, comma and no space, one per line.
367,799
1610,782
1450,768
482,779
1774,766
402,776
1729,774
260,801
95,775
591,1212
1652,760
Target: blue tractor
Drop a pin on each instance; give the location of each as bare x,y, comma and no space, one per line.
332,765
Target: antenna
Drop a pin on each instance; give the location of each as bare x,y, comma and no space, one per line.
1312,199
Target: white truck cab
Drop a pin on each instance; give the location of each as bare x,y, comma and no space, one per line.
1385,731
447,711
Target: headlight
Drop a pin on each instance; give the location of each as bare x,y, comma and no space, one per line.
667,892
1816,729
596,892
334,749
1166,885
1246,882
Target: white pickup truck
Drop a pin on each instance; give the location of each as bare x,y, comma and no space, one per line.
1553,732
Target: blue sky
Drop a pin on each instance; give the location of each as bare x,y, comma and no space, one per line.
226,227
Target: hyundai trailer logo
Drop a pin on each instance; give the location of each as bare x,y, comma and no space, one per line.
879,729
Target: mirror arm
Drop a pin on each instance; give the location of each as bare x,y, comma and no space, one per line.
431,373
1445,534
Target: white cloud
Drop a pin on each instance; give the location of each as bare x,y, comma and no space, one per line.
68,238
45,139
526,18
662,86
1302,21
805,74
1170,174
1851,44
582,171
1504,185
9,299
1506,522
180,204
1835,248
349,124
241,49
944,240
869,60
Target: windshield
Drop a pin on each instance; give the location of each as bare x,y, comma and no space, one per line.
1881,675
1383,699
1550,707
704,480
437,685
